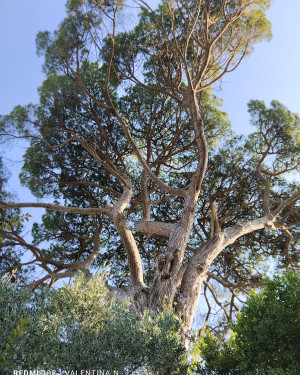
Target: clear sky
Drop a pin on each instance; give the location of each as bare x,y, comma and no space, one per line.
271,72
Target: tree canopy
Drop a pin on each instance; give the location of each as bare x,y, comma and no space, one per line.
139,164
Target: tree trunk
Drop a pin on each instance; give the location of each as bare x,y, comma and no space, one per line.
169,263
188,295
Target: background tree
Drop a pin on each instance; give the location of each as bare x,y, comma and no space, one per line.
145,172
266,337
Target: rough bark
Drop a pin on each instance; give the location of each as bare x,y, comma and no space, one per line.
169,263
156,228
139,291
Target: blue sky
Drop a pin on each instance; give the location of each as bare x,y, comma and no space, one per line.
20,68
271,72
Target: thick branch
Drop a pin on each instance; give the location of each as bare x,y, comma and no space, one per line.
154,228
133,255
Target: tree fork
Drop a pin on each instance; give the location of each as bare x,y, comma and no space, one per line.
190,288
169,263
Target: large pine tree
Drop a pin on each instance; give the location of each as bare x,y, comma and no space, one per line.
130,145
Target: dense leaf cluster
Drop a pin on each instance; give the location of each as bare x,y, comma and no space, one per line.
80,327
265,338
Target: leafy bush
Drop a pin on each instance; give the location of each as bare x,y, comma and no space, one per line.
80,327
266,337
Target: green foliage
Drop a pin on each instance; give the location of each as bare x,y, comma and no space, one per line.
265,337
13,223
277,135
165,34
14,319
18,331
79,326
